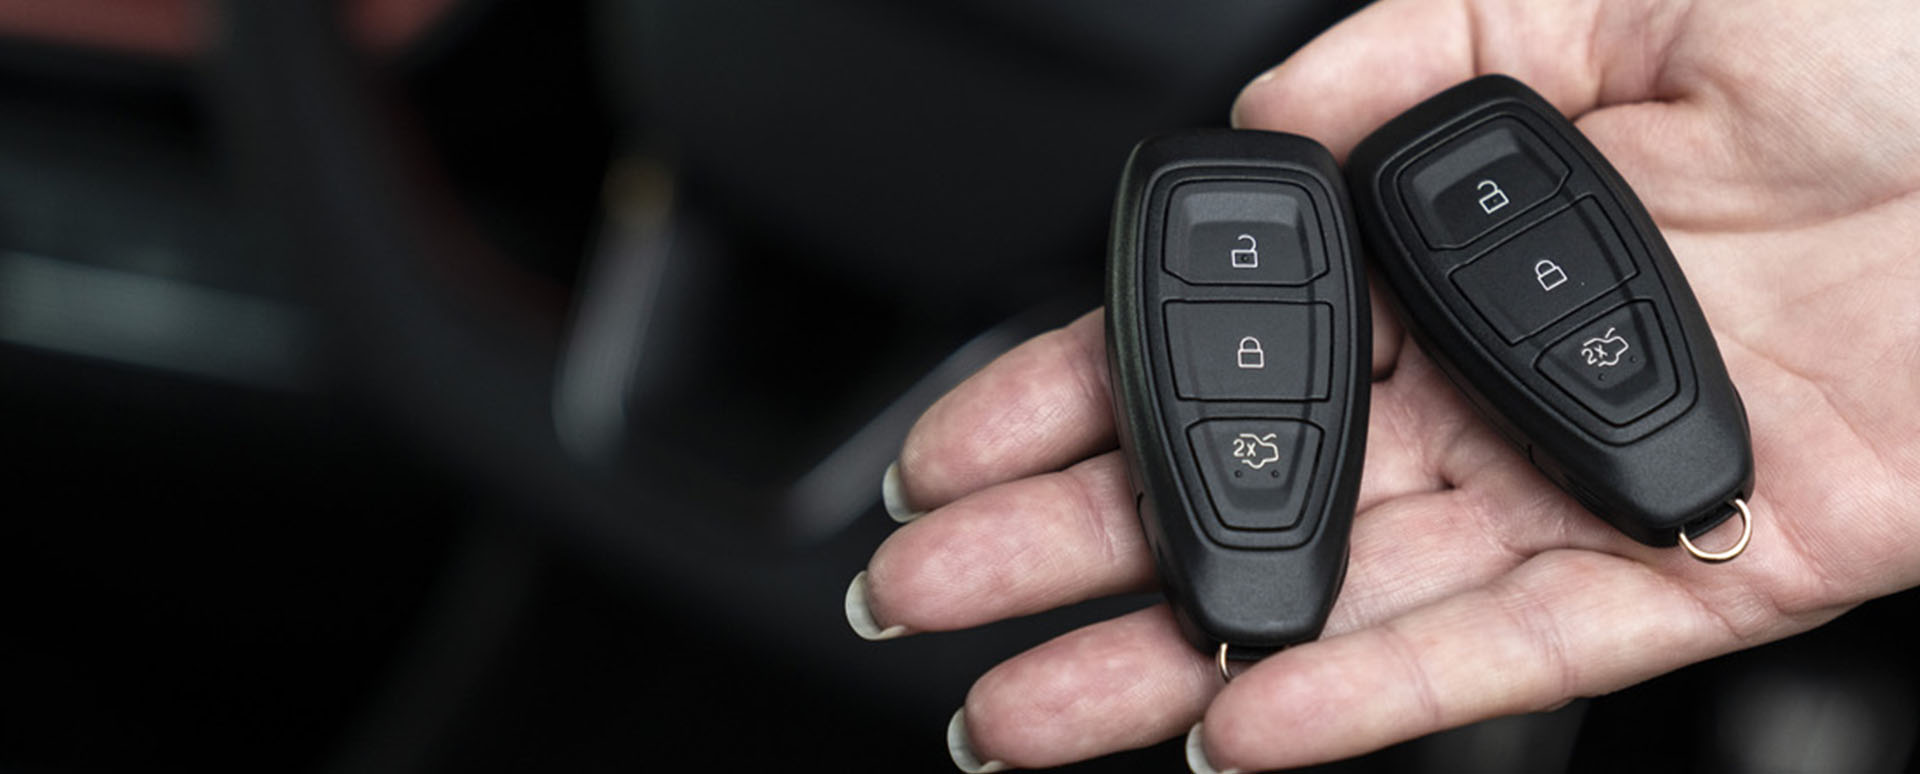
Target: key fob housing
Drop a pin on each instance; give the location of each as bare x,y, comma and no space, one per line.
1527,268
1239,344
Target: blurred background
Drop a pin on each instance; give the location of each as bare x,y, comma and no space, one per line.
500,385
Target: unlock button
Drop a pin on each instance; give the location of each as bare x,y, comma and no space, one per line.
1478,181
1235,232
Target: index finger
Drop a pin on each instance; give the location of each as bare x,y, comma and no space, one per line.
1040,407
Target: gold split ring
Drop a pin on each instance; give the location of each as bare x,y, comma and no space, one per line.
1712,557
1220,660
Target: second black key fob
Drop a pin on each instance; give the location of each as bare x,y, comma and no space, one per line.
1239,343
1534,277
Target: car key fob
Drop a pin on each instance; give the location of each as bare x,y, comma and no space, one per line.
1528,270
1239,343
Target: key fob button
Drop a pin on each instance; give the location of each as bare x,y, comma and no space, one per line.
1258,473
1258,351
1478,181
1618,366
1243,233
1547,271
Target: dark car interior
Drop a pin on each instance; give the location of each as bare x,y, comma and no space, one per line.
509,389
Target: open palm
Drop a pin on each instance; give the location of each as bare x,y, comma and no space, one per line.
1779,150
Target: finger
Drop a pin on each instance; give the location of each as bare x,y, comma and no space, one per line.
1563,624
1578,56
1131,681
1054,539
1120,684
1115,685
1135,680
1014,549
1330,89
1038,408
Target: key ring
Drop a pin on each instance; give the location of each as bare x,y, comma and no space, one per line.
1220,660
1710,557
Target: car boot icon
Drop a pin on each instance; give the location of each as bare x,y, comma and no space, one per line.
1256,451
1604,350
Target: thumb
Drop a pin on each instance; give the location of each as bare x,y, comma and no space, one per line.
1395,53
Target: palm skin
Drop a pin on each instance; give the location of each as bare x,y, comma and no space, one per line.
1778,148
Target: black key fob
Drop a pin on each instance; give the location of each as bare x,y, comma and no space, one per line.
1239,343
1530,272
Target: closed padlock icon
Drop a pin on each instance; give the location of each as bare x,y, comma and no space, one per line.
1549,274
1246,257
1492,198
1252,357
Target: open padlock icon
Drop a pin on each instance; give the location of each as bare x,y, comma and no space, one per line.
1492,198
1252,357
1246,257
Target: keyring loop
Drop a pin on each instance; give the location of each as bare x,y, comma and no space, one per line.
1715,557
1220,659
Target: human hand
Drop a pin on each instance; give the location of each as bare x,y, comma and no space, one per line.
1777,145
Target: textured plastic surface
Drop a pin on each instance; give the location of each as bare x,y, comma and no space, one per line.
1607,376
1246,488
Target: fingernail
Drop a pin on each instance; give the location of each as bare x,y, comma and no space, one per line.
1197,755
860,616
961,748
1235,118
894,496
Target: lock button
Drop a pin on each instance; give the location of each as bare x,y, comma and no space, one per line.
1252,356
1554,267
1549,274
1250,351
1479,181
